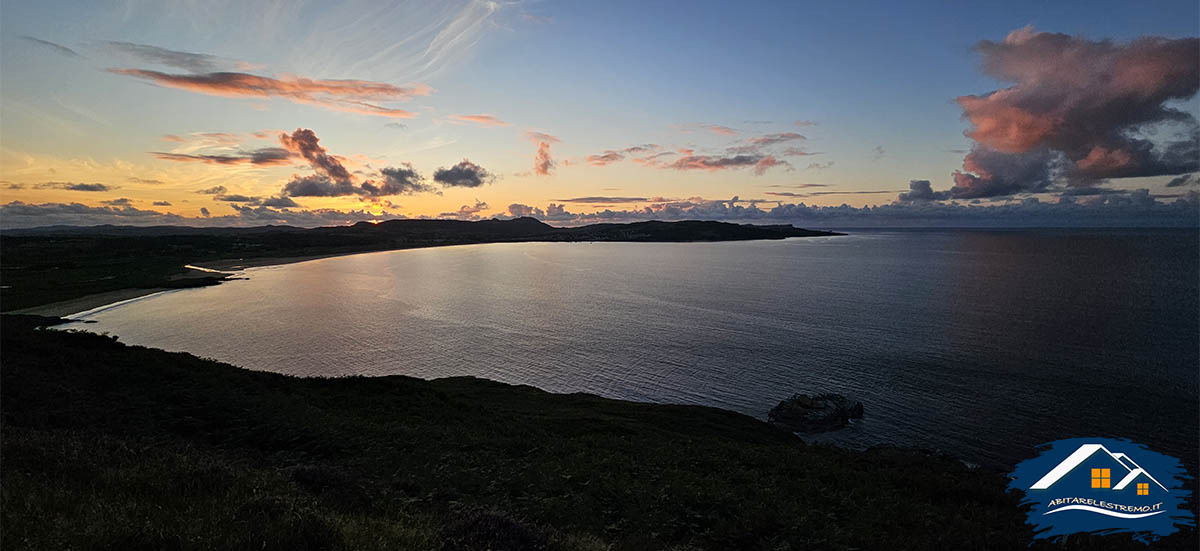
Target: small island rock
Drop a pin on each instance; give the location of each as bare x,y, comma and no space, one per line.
818,413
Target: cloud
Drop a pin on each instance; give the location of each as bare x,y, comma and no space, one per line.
712,163
653,160
57,48
543,163
147,181
318,185
1185,180
772,139
305,143
332,179
767,162
467,212
276,202
707,127
481,120
803,124
1081,111
1136,208
215,190
612,156
797,152
71,186
162,203
990,173
17,214
119,202
266,156
398,125
338,95
604,200
922,190
464,174
196,63
819,166
279,202
403,180
605,158
235,198
518,210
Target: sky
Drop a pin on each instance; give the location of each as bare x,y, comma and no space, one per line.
826,115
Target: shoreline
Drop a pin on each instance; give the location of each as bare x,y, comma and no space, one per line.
71,307
201,269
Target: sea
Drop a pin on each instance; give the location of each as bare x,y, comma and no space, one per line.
981,344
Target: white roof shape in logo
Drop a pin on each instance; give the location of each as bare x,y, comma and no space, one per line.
1085,451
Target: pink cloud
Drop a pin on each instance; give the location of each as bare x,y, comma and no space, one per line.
481,120
339,95
543,163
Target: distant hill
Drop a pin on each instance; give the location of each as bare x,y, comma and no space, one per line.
484,230
56,263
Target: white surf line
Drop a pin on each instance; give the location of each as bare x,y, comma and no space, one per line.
78,316
1091,509
203,269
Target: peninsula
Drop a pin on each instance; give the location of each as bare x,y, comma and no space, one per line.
65,269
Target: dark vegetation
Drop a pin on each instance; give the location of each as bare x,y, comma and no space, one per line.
107,446
44,265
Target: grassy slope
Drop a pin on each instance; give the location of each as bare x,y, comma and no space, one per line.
106,446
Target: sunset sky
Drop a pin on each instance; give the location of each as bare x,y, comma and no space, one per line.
250,113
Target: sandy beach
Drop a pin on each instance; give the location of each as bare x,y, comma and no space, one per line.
82,304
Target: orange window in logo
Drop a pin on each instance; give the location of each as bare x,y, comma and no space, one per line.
1143,488
1100,478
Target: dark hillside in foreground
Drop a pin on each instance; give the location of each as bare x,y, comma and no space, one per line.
44,265
106,446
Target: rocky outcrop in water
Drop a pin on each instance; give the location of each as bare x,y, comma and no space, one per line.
819,413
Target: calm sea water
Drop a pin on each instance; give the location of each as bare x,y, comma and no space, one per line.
977,343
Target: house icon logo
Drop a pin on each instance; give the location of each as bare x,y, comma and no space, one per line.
1103,485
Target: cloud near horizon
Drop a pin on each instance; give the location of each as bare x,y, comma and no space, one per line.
1079,112
1126,207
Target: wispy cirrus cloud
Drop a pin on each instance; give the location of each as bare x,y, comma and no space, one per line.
57,48
353,96
481,120
708,127
188,61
